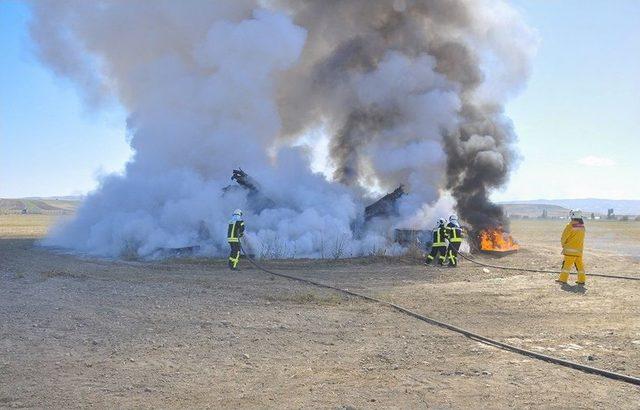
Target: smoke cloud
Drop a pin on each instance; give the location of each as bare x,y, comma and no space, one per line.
413,93
407,92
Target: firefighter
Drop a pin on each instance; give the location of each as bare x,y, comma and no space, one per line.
439,246
572,246
454,236
234,233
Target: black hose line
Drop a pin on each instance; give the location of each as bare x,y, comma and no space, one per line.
602,275
474,336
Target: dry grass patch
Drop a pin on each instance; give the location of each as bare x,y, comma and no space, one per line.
59,273
26,226
616,237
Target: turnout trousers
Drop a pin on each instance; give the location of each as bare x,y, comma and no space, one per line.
234,255
452,253
440,252
569,262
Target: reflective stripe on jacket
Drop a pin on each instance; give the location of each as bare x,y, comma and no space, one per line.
235,230
439,236
573,239
454,233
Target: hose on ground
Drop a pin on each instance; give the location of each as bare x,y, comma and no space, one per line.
602,275
474,336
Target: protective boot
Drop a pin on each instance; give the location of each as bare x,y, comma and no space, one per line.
582,278
564,277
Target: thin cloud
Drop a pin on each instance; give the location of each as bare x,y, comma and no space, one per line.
593,161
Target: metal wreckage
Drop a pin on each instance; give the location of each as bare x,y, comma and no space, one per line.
382,208
494,241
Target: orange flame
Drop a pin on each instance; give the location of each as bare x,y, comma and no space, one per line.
497,240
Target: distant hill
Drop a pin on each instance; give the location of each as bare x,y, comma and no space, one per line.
75,198
534,210
598,206
50,206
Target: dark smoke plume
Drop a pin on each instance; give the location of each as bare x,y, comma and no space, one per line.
350,39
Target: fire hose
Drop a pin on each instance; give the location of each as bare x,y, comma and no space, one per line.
602,275
471,335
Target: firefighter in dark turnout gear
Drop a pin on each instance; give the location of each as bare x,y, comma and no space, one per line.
454,237
234,233
438,246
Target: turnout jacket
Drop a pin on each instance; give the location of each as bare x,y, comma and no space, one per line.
573,239
454,233
235,229
439,236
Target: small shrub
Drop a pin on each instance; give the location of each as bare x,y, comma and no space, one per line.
339,247
273,248
322,250
129,251
415,252
59,273
377,251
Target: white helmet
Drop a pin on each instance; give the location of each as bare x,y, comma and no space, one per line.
238,212
453,218
442,221
575,214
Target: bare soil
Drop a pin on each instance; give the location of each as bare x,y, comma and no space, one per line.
82,332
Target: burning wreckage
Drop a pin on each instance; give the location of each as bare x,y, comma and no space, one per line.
495,242
492,241
383,208
255,198
388,206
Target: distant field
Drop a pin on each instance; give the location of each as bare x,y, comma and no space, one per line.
26,226
38,206
534,210
618,237
599,206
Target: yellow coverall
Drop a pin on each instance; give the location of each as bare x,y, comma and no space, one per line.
572,247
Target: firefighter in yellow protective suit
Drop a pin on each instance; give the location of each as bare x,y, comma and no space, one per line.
438,246
235,231
572,247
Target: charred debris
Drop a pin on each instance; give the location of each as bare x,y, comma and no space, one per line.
489,241
386,206
255,198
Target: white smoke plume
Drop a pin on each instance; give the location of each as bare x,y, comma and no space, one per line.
401,87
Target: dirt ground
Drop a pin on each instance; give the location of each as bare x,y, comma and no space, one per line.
80,332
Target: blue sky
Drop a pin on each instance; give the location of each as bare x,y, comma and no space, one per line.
49,143
579,117
577,120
